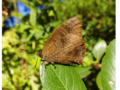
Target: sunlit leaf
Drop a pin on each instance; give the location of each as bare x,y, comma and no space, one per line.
99,49
6,82
108,68
88,59
33,17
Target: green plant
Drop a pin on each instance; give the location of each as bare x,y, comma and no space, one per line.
68,78
20,43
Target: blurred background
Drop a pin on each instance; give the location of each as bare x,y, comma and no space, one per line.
26,25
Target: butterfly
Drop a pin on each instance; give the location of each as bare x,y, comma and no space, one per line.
65,45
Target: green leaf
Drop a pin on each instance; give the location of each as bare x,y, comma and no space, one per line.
88,60
6,82
33,17
22,28
39,32
99,49
62,78
98,81
51,13
83,71
108,68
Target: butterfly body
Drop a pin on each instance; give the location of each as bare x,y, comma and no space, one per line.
65,45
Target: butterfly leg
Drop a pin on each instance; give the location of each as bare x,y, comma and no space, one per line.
45,64
53,65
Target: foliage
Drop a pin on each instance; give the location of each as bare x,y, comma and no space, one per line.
108,68
27,27
61,78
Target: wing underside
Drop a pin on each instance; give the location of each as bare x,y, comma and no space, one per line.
66,42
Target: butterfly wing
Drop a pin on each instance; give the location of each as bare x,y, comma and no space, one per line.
66,43
73,50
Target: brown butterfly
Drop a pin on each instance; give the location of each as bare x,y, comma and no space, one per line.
65,45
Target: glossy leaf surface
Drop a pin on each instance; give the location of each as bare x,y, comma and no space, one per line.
99,49
108,68
61,78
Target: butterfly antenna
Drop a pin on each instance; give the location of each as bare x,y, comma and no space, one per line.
36,63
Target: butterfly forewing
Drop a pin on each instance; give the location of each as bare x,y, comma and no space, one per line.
65,45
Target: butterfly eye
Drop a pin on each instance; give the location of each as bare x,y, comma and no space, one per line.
40,55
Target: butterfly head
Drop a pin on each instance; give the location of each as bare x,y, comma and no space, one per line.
39,54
